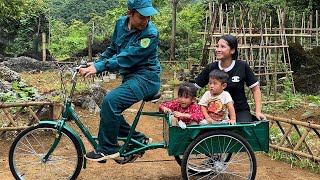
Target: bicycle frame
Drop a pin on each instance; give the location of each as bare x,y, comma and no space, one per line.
69,114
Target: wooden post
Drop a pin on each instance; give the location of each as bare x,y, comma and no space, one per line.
275,80
89,45
310,30
234,20
294,26
317,28
221,20
44,54
302,30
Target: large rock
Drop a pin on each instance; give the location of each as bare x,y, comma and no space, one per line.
305,67
1,57
91,99
22,64
38,55
5,86
7,74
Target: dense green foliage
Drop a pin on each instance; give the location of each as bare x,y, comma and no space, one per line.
68,10
67,23
19,21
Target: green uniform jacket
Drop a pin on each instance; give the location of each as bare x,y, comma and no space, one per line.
133,53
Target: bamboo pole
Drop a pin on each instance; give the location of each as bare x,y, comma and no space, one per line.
310,31
89,46
293,121
44,54
285,135
258,35
303,137
33,115
265,55
302,28
24,104
294,26
234,20
317,28
13,128
298,153
221,20
10,117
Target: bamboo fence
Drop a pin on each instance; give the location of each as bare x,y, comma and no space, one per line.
24,117
262,44
302,139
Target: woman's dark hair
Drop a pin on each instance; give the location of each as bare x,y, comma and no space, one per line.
187,90
219,75
233,44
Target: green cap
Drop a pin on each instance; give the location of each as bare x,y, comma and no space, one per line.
144,7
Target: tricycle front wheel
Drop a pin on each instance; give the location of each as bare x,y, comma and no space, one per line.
27,152
202,159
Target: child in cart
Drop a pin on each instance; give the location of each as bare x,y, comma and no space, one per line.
217,104
184,109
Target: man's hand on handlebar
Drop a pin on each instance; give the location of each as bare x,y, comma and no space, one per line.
89,71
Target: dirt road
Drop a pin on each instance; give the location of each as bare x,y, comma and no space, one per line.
154,164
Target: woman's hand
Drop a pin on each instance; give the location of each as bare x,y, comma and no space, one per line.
232,121
89,71
260,116
209,120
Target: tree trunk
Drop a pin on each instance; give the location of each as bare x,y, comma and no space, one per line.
174,30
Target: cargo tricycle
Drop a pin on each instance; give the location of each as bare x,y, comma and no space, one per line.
213,151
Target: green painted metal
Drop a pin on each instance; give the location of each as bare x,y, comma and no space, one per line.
73,133
257,135
56,140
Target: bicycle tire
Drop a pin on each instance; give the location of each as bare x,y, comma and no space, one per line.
225,157
242,164
32,144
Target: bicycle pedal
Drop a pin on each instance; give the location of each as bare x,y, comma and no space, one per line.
139,154
103,161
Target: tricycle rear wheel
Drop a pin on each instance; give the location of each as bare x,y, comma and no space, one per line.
222,156
200,158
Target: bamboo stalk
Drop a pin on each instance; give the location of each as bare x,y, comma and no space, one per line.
299,153
13,128
33,115
285,135
24,104
317,28
303,137
292,121
258,35
10,117
294,26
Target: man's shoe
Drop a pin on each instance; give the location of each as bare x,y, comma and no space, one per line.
99,156
146,140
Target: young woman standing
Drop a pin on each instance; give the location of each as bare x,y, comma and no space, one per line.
239,74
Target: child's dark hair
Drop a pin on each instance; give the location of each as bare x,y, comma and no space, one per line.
187,89
233,43
219,75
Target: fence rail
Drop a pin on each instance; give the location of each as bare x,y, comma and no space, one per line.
24,116
301,139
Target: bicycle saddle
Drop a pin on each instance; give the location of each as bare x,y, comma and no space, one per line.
153,98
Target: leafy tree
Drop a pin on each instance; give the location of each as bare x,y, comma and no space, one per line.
68,40
69,10
10,14
189,23
19,21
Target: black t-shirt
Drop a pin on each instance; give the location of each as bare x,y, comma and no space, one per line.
239,73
